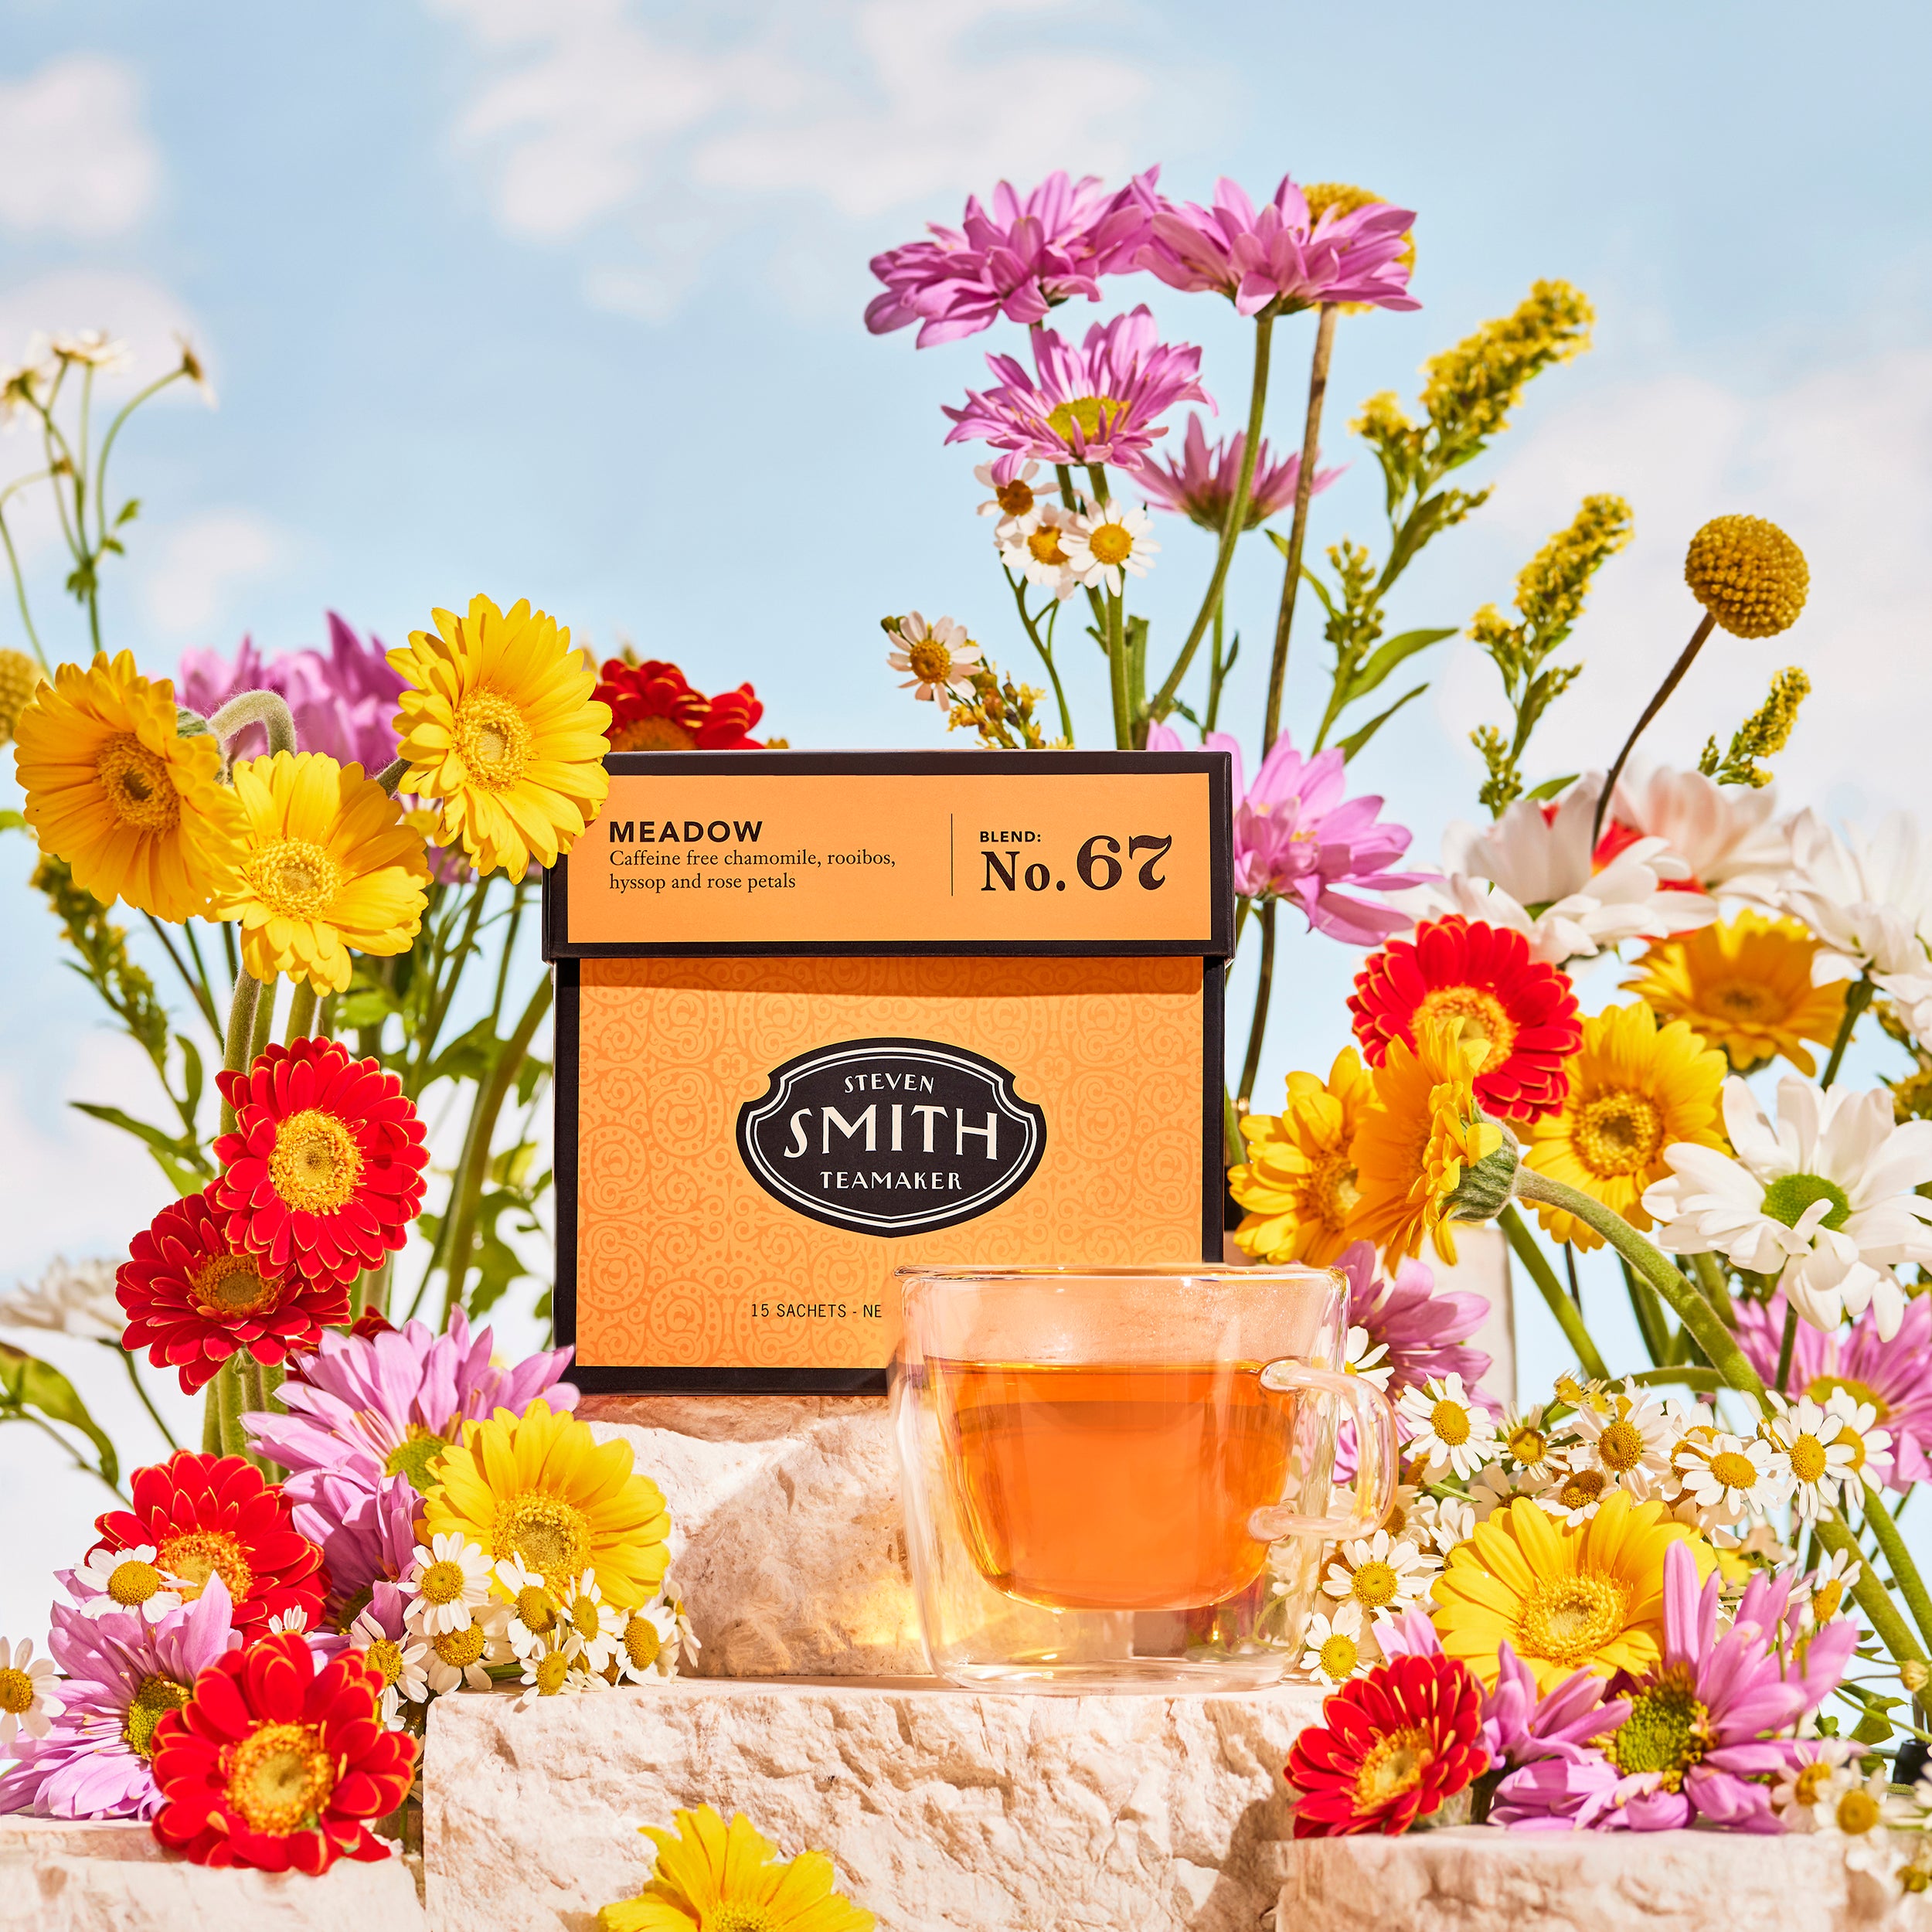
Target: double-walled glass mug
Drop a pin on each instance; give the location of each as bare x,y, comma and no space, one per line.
1121,1479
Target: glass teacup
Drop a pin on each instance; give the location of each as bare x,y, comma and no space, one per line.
1121,1477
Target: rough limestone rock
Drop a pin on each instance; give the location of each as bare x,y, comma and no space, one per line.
942,1808
1476,1879
111,1877
787,1540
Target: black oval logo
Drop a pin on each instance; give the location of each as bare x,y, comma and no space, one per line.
891,1137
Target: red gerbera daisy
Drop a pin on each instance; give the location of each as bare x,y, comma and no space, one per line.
1390,1748
325,1167
274,1763
1525,1009
652,708
192,1300
727,719
215,1515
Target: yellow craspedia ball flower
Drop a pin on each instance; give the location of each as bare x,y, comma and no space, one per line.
499,726
540,1487
138,812
1750,576
326,863
19,679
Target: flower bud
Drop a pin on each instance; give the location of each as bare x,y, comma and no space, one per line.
1485,1189
1914,1674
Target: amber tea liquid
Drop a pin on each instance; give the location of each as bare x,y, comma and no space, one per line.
1098,1486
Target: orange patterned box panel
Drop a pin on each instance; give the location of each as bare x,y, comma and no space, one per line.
685,1260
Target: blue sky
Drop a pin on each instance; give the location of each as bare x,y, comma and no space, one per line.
560,298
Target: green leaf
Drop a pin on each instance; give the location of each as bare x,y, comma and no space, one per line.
1388,655
1355,740
129,510
28,1383
177,1157
12,821
191,1074
366,1006
1282,544
529,1077
1550,787
113,544
470,1057
512,1168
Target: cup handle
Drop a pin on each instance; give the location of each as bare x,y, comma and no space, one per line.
1375,1435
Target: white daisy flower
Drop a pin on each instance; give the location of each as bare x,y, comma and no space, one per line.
1574,1494
402,1660
462,1657
554,1674
648,1643
1871,1446
1014,501
94,348
939,655
1108,539
594,1630
1334,1648
1820,1465
536,1622
1039,553
283,1621
687,1642
1727,835
1824,1201
1448,1426
1799,1791
1445,1521
447,1581
1736,1478
1493,1487
1408,1508
1826,1591
29,1702
117,1580
1384,1574
1363,1356
1867,895
1526,1438
1632,1444
75,1298
1858,1811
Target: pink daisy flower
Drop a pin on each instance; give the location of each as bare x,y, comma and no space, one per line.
1426,1330
1017,260
1200,485
1094,404
1278,259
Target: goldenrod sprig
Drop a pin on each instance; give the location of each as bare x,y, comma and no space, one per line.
1763,735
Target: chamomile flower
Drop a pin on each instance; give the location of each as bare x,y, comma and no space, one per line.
1526,1438
1870,1445
1859,1812
1444,1521
1492,1487
1820,1463
1367,1359
448,1581
401,1659
1584,1393
1826,1593
1447,1425
554,1674
535,1621
1015,500
1384,1574
1802,1788
649,1643
1574,1494
1107,540
1039,552
293,1621
462,1657
1734,1477
1333,1648
114,1580
594,1630
1631,1442
939,655
28,1702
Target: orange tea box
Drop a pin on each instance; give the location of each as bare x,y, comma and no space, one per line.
821,1015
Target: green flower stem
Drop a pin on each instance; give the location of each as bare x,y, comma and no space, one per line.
131,1362
1786,1343
1870,1594
1678,1375
1234,1148
240,1037
1856,999
1263,992
1690,1307
197,987
264,1019
1569,1318
1717,1291
1117,670
1674,677
1030,625
1650,1318
1905,1571
1231,530
19,581
301,1012
1298,530
267,708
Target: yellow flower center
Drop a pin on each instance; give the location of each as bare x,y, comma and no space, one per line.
1335,1188
460,1648
534,1610
1044,545
386,1655
1393,1765
641,1642
1527,1445
136,784
442,1583
316,1162
931,661
293,879
195,1555
1569,1619
1339,1656
1582,1488
414,1457
280,1777
585,1618
1091,412
1451,1422
1110,543
1374,1584
156,1697
1808,1459
1620,1447
1849,1438
551,1535
1824,1602
1744,1001
652,734
1617,1133
494,741
740,1915
1809,1782
133,1582
1821,1389
1015,498
1484,1022
1857,1812
1733,1471
551,1670
16,1692
1666,1731
232,1284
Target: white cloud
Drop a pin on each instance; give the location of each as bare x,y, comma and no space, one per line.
597,119
75,157
198,564
1841,459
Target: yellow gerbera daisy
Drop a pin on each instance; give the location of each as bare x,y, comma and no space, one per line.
500,727
541,1488
138,812
1746,985
1564,1597
715,1877
326,863
1635,1089
1298,1182
1416,1142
